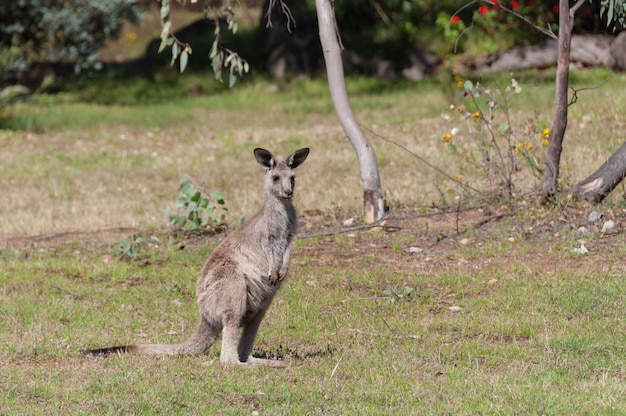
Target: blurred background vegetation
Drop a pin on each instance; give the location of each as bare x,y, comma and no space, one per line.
54,45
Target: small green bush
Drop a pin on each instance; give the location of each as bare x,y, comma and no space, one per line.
195,209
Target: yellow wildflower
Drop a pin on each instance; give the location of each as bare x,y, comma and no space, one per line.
546,133
457,177
446,137
529,147
460,84
475,115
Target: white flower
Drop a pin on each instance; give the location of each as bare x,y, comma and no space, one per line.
454,131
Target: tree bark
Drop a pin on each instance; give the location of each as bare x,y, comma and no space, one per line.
557,132
600,184
373,203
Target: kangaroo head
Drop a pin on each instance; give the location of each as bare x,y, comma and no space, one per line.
279,177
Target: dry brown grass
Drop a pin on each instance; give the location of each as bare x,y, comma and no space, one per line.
116,175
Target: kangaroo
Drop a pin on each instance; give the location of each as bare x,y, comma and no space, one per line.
241,276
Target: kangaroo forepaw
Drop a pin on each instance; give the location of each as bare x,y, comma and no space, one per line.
274,277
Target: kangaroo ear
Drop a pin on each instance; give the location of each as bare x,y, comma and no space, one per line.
297,158
265,158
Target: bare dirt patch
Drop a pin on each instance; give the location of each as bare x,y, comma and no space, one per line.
411,239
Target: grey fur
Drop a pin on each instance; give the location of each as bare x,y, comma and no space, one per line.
239,280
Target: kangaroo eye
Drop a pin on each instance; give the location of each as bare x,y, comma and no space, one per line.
275,178
293,180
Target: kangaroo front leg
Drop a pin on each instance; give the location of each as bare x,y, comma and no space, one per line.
284,269
273,274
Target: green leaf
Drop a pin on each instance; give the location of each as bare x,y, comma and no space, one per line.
165,34
183,61
165,11
187,189
231,80
174,53
180,220
213,52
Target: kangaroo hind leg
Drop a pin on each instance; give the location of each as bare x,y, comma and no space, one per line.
246,343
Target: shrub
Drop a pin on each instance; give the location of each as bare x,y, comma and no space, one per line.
59,31
195,209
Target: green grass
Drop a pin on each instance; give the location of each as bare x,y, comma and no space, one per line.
530,343
501,318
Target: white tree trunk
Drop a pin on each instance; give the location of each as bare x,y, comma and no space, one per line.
373,203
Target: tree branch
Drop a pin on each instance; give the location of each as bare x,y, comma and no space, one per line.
547,32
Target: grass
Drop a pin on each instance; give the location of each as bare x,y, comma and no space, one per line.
530,340
501,318
136,154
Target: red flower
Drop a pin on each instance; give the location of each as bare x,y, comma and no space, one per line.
586,13
530,5
455,19
483,9
496,5
515,4
555,8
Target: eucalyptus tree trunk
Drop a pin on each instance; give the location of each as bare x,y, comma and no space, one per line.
557,132
600,184
373,203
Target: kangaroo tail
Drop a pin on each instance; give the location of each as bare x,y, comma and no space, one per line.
197,344
156,349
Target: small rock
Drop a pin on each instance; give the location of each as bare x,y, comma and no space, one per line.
492,281
580,250
415,250
349,222
454,308
464,241
594,216
582,230
608,225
